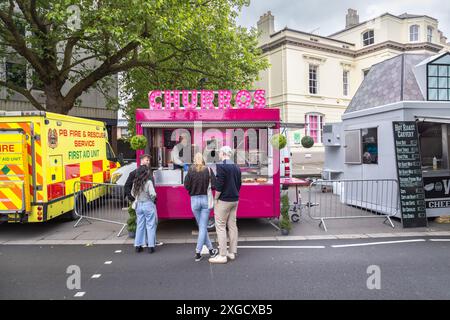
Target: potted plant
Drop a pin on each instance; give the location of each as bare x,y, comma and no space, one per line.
285,222
138,142
307,142
131,223
279,141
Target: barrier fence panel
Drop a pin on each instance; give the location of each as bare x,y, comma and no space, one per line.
101,202
352,199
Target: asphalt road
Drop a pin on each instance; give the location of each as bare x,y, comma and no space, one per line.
408,270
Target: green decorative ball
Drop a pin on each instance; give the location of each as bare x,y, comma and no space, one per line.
138,142
307,142
279,141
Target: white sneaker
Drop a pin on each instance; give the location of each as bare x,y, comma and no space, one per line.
218,259
231,256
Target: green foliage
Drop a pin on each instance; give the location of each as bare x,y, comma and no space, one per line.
279,141
307,142
210,52
138,142
131,222
84,44
285,222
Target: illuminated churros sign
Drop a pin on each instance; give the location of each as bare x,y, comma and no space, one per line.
206,99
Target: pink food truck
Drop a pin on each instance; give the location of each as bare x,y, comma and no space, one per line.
204,121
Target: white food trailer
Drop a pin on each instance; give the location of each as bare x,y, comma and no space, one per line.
408,87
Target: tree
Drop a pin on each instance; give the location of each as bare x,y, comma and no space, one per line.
72,46
215,53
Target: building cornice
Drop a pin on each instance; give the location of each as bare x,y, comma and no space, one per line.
287,40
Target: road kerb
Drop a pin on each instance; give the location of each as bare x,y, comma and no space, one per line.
241,239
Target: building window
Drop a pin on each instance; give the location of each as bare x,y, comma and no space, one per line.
414,33
368,38
430,34
439,80
17,74
313,79
314,126
345,82
369,139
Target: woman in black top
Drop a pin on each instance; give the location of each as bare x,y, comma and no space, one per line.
197,182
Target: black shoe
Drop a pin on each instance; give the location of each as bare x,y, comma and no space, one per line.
138,249
198,257
213,253
151,249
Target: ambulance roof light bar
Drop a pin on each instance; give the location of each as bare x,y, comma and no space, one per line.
21,113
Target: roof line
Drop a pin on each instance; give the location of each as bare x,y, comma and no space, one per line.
309,34
384,14
440,56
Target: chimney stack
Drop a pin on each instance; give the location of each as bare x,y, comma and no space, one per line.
266,26
352,18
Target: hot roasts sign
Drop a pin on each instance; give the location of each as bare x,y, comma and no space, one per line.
410,180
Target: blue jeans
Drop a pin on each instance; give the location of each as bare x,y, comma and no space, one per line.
146,224
199,206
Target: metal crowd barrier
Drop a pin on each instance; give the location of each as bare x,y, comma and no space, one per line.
101,202
352,199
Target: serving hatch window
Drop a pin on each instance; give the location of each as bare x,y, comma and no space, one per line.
370,145
361,146
250,145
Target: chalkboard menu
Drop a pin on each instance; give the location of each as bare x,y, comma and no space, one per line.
409,170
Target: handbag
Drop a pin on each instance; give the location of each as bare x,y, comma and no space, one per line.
210,194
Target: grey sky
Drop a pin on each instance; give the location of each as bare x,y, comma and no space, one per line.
327,16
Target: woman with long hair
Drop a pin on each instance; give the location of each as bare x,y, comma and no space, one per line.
197,182
144,192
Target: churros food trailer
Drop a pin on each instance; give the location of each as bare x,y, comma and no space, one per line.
180,123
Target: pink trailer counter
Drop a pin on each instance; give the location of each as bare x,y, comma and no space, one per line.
175,134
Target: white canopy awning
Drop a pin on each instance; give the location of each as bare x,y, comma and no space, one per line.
433,119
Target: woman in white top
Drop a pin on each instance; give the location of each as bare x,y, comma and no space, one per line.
144,192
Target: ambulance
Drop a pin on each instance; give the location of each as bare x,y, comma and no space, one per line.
42,156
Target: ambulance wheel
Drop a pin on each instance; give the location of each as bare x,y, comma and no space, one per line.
295,217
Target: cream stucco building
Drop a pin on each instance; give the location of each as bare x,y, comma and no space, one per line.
313,78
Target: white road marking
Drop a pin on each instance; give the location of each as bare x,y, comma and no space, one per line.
79,294
96,276
281,247
440,240
376,243
108,262
118,251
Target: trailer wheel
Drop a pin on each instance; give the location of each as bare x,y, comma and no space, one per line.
295,217
211,224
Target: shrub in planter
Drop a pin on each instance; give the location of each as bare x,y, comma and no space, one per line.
285,222
138,142
307,142
279,141
131,222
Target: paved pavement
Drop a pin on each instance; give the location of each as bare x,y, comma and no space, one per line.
184,231
408,268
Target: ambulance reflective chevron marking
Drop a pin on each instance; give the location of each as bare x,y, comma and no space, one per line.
38,168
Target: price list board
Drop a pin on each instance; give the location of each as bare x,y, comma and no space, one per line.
409,170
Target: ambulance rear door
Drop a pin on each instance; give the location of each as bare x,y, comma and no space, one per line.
14,175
